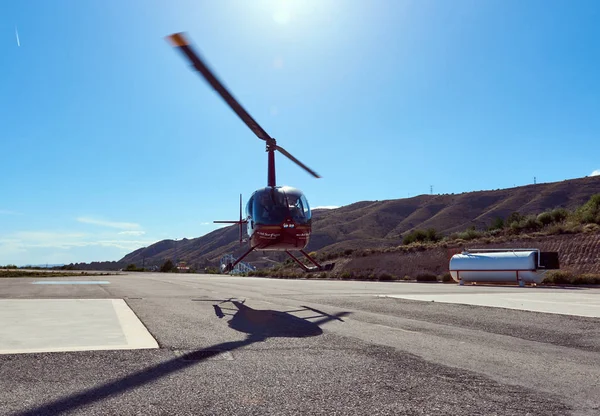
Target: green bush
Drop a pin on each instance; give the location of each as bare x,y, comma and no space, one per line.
470,234
515,217
421,236
558,277
426,277
562,277
167,267
133,268
545,218
385,277
590,211
587,279
559,215
446,278
497,224
531,224
413,236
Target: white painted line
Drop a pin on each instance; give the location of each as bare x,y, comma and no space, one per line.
557,303
135,332
397,329
71,282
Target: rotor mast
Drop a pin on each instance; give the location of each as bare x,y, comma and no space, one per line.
271,146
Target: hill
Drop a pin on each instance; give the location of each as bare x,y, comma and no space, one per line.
381,224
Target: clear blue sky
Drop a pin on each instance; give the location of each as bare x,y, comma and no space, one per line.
110,142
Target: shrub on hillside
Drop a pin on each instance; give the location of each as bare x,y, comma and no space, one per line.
591,228
531,224
447,278
497,224
558,277
555,216
587,279
385,277
426,277
562,277
345,275
414,236
470,234
421,236
545,218
514,217
559,215
556,229
590,211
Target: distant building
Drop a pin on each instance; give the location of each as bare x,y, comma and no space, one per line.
183,267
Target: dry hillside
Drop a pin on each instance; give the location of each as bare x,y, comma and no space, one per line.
578,253
380,224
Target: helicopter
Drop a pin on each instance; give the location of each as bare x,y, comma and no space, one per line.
278,218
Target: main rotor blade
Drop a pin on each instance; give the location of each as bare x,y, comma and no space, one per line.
179,41
296,161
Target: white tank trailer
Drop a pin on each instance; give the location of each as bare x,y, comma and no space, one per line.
520,266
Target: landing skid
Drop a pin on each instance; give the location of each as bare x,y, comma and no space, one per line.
230,266
316,268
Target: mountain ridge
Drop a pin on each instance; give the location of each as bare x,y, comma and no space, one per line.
379,224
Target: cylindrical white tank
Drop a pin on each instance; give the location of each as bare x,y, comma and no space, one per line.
496,266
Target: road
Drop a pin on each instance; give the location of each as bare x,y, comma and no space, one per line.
234,345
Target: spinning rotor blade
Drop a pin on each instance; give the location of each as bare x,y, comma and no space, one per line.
296,161
179,41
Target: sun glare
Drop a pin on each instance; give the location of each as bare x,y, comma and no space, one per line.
285,11
282,16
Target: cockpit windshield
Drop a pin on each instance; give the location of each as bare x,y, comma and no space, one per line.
273,206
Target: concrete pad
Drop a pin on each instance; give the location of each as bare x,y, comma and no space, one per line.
563,303
52,325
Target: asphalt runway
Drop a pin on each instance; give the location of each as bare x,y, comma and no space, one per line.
251,346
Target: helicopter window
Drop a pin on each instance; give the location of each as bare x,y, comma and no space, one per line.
298,206
269,207
305,206
272,206
249,206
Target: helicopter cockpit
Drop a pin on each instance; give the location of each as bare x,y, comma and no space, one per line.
272,206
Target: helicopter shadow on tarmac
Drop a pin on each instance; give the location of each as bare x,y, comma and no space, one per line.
259,325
